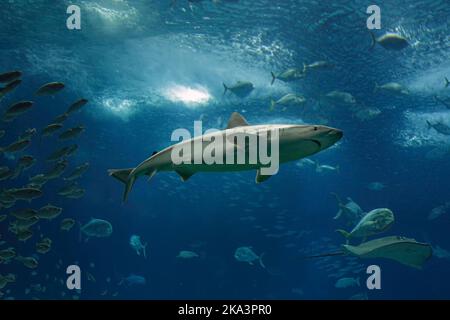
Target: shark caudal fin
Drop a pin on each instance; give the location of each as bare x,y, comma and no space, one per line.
273,78
123,175
429,125
225,88
374,41
446,82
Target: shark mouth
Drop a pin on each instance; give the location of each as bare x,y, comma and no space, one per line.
317,142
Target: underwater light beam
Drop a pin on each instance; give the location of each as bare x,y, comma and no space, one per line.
187,95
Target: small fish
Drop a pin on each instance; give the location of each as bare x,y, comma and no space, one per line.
347,283
24,214
10,76
389,41
76,106
49,212
241,88
67,224
50,88
17,109
16,146
77,172
184,254
61,118
289,75
50,129
28,262
318,65
10,87
27,194
28,134
71,133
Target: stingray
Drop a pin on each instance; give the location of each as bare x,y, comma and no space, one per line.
406,251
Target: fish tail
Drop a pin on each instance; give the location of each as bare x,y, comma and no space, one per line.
225,88
261,263
376,88
305,67
374,41
273,77
429,125
272,105
446,82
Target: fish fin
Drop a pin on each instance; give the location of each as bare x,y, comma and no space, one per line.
123,175
274,77
343,233
120,174
272,105
338,214
375,89
446,82
236,120
429,124
260,177
261,263
374,41
185,175
225,88
304,67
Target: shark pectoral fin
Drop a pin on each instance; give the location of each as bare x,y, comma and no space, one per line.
185,175
260,177
236,120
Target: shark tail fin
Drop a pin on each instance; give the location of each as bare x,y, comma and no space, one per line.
446,82
305,67
272,105
429,126
261,263
124,176
374,41
225,88
274,77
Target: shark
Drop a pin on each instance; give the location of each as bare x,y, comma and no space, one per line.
295,142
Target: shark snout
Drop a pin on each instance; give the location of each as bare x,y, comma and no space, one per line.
329,136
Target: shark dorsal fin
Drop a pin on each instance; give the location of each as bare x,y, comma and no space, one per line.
236,120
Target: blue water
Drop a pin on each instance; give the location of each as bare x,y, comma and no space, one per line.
130,59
